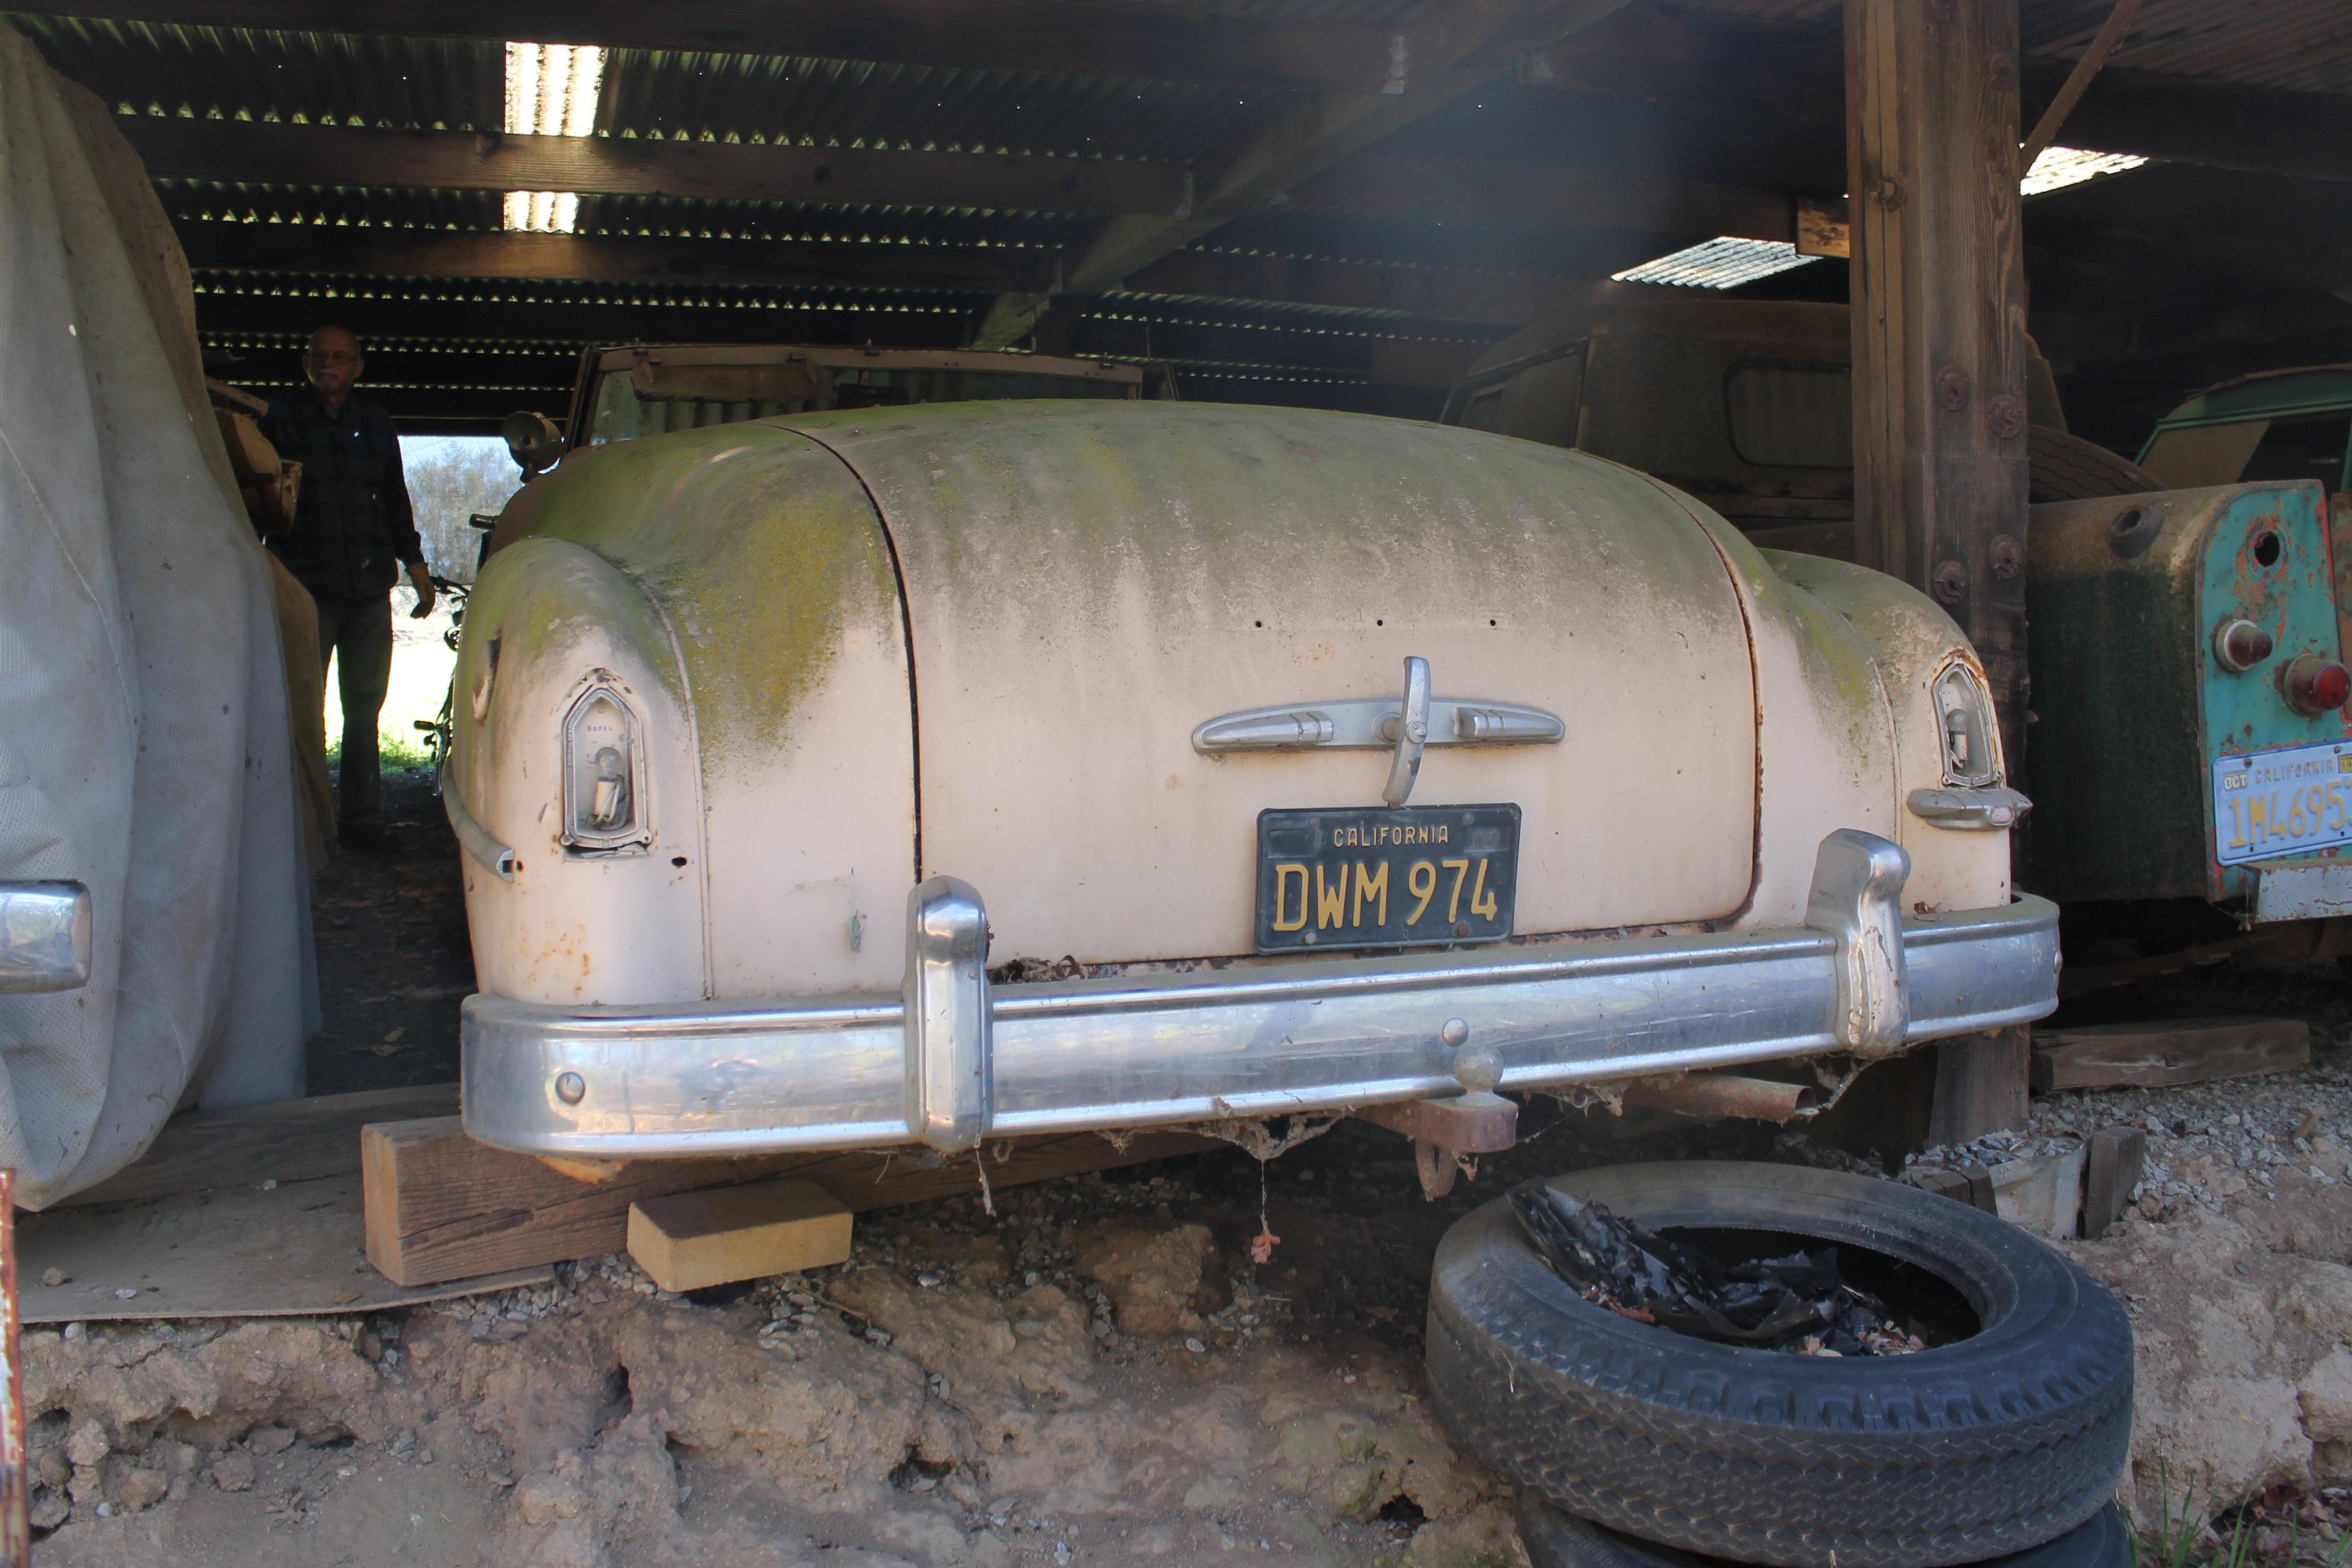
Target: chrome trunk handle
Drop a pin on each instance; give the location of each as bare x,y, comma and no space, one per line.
1409,731
1402,728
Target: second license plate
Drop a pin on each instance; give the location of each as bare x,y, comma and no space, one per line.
1351,877
2296,800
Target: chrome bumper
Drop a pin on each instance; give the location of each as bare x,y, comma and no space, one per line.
953,1059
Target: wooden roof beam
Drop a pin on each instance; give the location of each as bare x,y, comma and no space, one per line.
1302,139
272,153
246,151
410,254
425,253
1788,71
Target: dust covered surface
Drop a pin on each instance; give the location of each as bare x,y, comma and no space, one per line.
1099,1373
394,959
1096,1373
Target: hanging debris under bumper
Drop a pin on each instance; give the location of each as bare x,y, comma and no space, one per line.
954,1058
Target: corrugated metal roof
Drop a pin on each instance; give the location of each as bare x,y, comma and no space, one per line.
251,73
770,98
2305,45
414,208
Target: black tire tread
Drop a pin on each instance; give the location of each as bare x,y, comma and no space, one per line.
1714,1451
2061,466
1557,1540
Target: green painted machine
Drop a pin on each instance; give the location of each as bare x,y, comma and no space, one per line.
2188,738
2188,752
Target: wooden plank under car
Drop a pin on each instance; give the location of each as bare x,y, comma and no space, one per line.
2168,1051
442,1207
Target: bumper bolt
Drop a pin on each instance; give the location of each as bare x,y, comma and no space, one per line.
570,1087
1455,1033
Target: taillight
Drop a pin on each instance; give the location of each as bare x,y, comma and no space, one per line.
1965,723
2313,686
2240,645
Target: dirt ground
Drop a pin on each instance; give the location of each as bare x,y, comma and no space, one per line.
1097,1371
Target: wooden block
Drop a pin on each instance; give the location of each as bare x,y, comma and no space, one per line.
1952,1184
718,1234
441,1206
2172,1051
2118,1155
1981,1086
285,1140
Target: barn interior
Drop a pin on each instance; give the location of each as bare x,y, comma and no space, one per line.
1298,202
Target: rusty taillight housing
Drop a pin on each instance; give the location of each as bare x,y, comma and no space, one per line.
2313,686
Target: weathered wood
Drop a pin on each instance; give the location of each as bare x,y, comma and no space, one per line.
1952,1184
1938,315
280,154
1305,137
1455,189
715,1235
283,153
2117,1156
1179,43
283,1141
1981,1086
442,1207
604,258
2173,1051
2086,66
1794,72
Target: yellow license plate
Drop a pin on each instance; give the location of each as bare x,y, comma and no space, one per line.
1407,877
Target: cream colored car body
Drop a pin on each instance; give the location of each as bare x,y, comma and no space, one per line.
1085,584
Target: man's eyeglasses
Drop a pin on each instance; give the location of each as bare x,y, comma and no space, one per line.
336,356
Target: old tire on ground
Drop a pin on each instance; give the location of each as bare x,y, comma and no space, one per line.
1557,1540
2061,466
1965,1451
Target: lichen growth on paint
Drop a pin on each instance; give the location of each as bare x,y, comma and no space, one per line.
761,551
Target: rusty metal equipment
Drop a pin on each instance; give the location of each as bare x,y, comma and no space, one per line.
1718,1094
1447,1134
2185,649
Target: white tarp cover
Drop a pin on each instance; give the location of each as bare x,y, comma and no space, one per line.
143,744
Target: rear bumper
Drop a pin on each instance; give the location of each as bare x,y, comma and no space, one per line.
954,1059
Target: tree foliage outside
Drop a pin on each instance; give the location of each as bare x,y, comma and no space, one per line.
450,478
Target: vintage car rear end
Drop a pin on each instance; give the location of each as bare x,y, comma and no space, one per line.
942,773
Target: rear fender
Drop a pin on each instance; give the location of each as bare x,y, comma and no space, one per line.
551,626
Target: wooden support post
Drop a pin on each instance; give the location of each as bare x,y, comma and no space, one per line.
1938,285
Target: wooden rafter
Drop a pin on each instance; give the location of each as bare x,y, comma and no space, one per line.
1303,139
224,248
251,153
1786,71
416,253
325,155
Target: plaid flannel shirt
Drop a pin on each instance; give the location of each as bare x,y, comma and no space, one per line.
352,523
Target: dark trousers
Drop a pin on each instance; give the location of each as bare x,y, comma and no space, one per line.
358,634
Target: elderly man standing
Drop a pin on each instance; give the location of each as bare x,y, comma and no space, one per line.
352,532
